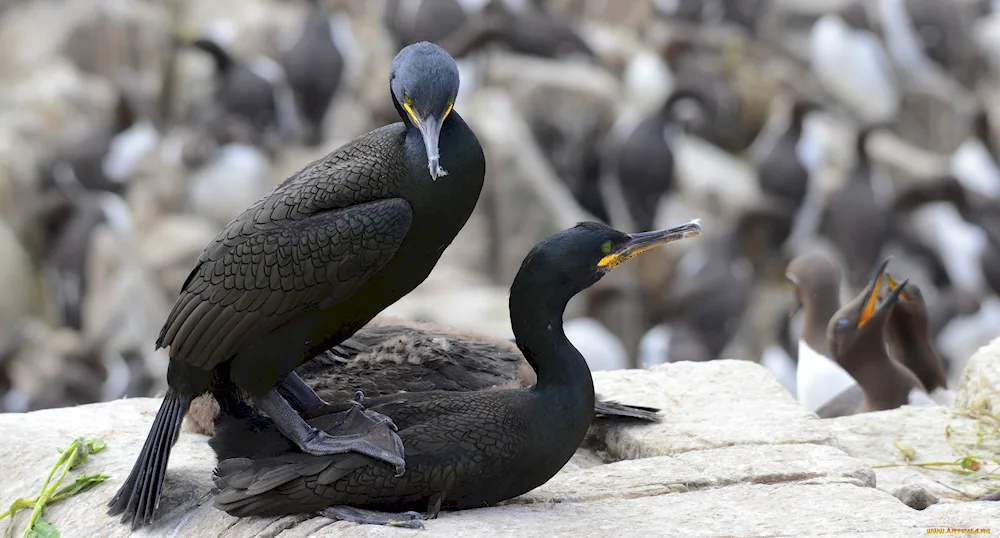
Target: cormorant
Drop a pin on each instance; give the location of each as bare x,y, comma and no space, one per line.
390,356
309,264
463,450
314,66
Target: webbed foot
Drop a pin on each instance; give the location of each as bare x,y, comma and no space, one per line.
358,430
407,520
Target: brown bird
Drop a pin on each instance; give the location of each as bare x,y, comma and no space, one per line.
818,378
857,343
908,334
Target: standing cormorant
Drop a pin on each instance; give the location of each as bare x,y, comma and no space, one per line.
314,66
312,262
465,449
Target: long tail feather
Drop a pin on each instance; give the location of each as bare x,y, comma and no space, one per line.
139,495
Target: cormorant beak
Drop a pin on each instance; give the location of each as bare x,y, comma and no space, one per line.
430,129
641,242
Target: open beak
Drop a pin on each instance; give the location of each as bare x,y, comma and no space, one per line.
893,285
872,291
873,306
641,242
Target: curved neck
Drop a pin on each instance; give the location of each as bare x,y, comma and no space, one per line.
819,310
912,347
536,317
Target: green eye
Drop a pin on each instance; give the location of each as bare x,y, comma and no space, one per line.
606,247
451,101
408,100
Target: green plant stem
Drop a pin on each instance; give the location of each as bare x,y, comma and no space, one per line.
68,457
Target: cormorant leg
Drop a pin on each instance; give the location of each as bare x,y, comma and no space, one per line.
408,520
362,431
300,395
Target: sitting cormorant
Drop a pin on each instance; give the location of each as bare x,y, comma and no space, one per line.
465,449
391,355
312,262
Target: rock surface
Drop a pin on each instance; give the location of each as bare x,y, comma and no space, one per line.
733,456
980,386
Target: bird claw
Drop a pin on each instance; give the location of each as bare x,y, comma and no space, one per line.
407,520
360,430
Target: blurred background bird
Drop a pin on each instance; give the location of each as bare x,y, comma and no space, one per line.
814,139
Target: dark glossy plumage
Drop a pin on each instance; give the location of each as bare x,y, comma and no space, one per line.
313,67
390,356
463,449
317,258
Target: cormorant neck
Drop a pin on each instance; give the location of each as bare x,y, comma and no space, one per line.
536,316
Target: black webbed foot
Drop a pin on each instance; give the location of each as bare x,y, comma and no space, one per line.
302,398
407,520
358,430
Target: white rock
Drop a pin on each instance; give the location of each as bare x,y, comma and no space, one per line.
979,388
769,470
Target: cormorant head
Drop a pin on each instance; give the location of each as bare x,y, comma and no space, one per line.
424,84
865,316
574,259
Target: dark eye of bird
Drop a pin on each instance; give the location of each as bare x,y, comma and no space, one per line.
606,247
